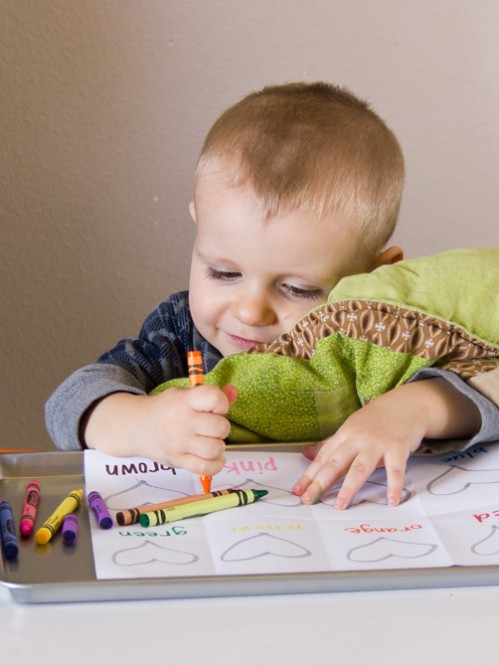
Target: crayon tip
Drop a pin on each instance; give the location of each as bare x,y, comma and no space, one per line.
106,523
69,538
205,483
120,518
26,528
11,551
42,536
144,520
258,494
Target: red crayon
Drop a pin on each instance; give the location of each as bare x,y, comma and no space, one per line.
196,378
30,508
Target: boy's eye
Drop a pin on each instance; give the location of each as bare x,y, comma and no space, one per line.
305,294
223,275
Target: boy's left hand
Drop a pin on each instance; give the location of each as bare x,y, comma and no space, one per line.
384,433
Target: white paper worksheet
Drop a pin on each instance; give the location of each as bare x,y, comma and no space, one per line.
449,516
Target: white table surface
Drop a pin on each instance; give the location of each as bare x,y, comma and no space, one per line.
416,627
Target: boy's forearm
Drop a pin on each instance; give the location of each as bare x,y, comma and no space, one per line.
446,412
108,424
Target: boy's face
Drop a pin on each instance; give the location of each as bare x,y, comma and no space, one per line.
252,280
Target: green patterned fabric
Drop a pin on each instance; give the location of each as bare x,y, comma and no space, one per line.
374,333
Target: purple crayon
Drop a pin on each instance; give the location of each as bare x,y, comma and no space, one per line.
96,502
70,529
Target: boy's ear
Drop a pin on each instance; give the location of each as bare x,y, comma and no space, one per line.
389,256
192,210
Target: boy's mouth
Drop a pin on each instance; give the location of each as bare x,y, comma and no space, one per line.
243,343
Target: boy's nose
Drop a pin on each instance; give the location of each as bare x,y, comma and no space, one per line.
254,310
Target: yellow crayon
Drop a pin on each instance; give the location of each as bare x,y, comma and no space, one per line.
53,523
132,515
204,507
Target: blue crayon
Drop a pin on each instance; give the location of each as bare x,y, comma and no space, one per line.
96,502
70,529
10,546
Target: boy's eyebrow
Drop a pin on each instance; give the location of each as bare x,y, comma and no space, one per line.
219,260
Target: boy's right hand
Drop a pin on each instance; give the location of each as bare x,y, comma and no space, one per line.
180,427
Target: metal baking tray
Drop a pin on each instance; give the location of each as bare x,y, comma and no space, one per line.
53,573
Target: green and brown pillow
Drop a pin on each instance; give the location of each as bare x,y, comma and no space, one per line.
376,331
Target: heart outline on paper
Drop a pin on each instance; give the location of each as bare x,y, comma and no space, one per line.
188,557
253,551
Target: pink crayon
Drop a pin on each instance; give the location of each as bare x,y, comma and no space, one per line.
30,508
96,502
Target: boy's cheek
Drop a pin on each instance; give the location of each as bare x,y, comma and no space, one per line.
203,311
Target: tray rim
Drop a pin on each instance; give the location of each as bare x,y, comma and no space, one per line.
257,584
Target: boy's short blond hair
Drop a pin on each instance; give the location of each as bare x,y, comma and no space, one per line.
314,146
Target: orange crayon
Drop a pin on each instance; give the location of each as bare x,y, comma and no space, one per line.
195,368
196,378
205,483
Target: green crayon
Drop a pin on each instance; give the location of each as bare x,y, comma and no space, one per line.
132,515
198,508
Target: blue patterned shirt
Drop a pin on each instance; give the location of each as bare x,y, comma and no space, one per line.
135,365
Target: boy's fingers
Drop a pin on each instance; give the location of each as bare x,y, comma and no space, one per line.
210,425
309,490
311,450
357,475
203,448
201,466
395,475
209,398
321,474
301,485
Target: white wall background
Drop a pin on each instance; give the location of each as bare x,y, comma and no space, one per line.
104,104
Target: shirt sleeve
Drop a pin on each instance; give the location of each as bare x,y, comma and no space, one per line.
135,365
69,402
489,412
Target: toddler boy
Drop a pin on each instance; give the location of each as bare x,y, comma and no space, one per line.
297,186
